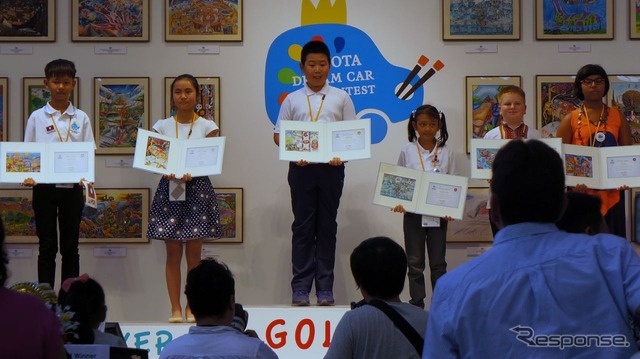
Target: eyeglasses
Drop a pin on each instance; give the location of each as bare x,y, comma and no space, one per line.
589,82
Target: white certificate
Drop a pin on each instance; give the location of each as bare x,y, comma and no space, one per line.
322,141
55,162
602,167
483,152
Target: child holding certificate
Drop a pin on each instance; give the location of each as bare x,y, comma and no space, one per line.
183,221
58,205
597,125
426,151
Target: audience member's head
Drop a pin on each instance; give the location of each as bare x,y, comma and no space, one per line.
582,214
210,291
379,267
4,260
527,184
84,297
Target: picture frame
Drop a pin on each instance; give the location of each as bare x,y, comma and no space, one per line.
110,21
121,106
4,109
474,225
17,216
230,205
624,90
635,215
122,216
460,21
217,21
579,21
31,20
481,103
634,20
208,104
35,95
554,100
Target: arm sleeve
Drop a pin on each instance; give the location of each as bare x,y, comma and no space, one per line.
439,340
348,109
30,130
341,342
284,114
402,160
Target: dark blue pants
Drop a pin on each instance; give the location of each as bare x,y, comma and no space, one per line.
57,208
315,197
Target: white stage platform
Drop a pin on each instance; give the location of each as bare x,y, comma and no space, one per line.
292,332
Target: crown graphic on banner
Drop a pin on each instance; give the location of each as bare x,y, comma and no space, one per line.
324,13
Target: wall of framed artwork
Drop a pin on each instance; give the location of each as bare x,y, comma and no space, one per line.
4,108
474,226
208,104
209,21
624,94
110,21
480,20
481,103
35,95
17,216
121,106
230,205
554,100
634,19
28,21
564,20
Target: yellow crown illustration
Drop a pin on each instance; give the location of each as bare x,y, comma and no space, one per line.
324,13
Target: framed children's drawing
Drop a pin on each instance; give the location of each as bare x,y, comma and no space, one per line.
554,100
121,107
17,216
230,203
480,20
28,21
474,225
208,21
208,102
121,217
481,103
634,19
35,95
4,103
110,20
574,20
624,94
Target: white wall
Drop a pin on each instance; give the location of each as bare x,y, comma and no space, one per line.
402,30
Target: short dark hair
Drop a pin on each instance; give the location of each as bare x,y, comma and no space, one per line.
379,266
586,71
209,288
581,213
4,260
528,182
314,47
60,67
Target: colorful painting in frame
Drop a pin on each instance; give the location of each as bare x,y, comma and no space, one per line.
230,205
485,20
481,97
4,108
110,20
209,20
121,217
17,216
571,20
28,21
624,94
634,19
208,103
35,95
474,225
554,100
121,107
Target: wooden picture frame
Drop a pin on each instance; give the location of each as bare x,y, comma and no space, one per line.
634,213
17,216
634,19
460,21
230,206
557,20
110,21
122,216
4,109
474,226
209,100
211,21
30,20
624,94
121,106
554,100
481,103
35,95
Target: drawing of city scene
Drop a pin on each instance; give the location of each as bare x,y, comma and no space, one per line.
24,18
121,112
481,17
485,157
110,18
486,112
557,100
398,187
625,96
579,166
21,162
119,215
157,153
17,216
205,17
573,17
301,141
227,206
